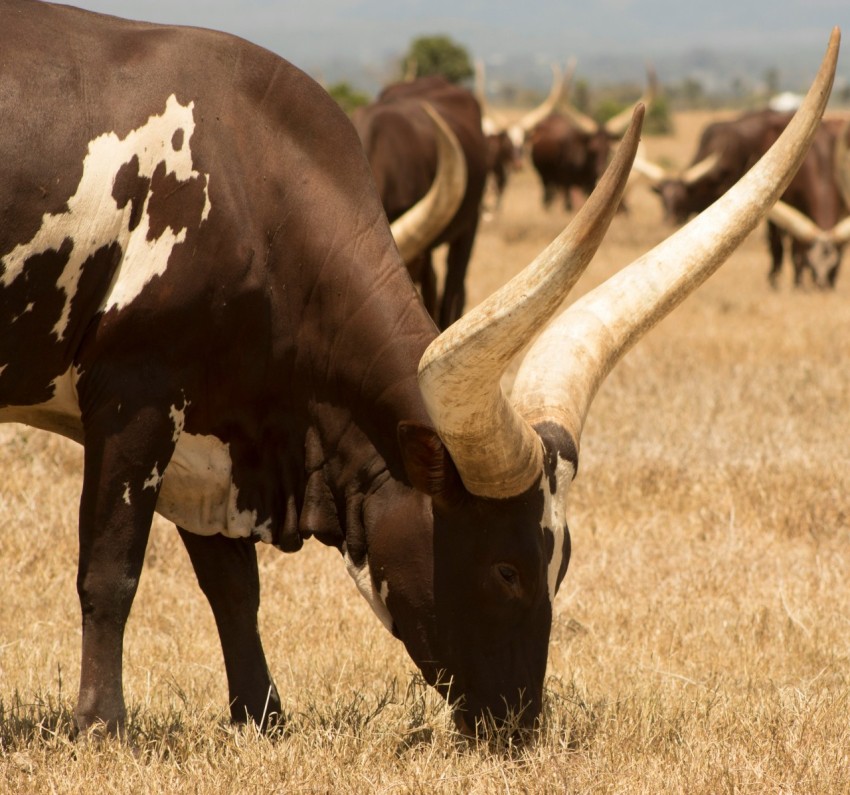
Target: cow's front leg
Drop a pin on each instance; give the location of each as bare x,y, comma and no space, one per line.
227,573
127,448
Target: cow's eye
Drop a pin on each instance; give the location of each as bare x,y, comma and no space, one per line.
508,574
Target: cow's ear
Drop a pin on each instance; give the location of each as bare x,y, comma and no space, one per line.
429,464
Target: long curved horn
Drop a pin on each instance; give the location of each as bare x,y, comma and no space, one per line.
559,376
616,125
700,169
841,232
804,229
534,117
585,123
842,163
421,224
795,223
496,452
654,172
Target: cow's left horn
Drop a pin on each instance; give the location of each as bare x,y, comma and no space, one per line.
563,369
421,224
497,453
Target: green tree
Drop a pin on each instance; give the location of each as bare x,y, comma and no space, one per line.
347,97
437,55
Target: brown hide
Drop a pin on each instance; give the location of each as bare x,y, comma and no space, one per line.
399,141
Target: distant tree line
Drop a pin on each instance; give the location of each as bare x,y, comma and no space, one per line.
440,54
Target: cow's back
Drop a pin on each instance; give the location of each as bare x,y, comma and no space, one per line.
165,171
400,174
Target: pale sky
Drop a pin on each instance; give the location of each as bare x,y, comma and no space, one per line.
312,33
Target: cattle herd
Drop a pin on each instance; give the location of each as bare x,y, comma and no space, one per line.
202,288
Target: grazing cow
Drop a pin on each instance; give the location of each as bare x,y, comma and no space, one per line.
813,214
400,143
570,150
200,286
726,150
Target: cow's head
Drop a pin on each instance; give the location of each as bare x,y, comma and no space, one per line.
468,561
686,193
814,249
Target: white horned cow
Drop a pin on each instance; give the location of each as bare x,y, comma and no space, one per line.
198,283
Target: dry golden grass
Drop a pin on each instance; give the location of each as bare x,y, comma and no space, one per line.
701,637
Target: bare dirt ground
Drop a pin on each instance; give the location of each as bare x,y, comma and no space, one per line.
701,637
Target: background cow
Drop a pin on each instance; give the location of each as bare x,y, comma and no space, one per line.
400,143
726,150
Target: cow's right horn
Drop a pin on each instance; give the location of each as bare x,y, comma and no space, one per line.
654,172
421,224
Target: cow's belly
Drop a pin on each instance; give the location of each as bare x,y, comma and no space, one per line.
197,491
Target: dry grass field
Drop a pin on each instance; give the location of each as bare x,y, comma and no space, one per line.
701,640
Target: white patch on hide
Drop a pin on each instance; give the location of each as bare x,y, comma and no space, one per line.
377,600
154,479
178,417
198,493
93,219
60,414
243,524
555,517
127,494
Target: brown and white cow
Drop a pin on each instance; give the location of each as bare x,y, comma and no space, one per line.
400,143
726,150
198,283
505,139
570,150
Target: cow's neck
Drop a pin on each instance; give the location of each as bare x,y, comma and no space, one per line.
353,461
362,372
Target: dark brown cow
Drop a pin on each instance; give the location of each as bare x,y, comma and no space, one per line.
570,150
567,159
198,283
400,143
726,150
